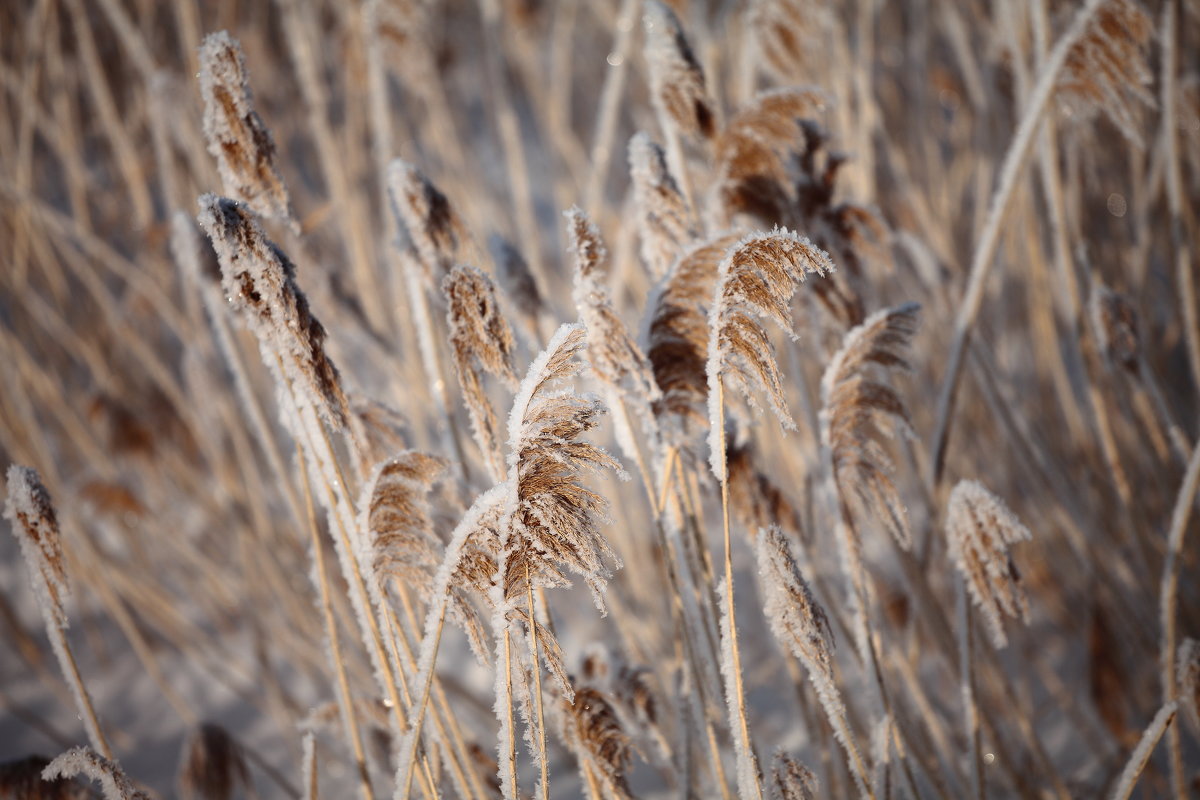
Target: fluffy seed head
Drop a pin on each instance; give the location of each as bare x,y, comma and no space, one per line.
1116,323
676,79
85,761
663,216
480,341
35,525
979,530
260,282
613,354
756,280
213,765
237,137
794,615
426,219
858,406
791,780
1106,70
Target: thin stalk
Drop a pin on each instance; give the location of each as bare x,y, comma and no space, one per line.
743,726
967,676
537,684
1141,753
508,766
335,647
1168,601
985,248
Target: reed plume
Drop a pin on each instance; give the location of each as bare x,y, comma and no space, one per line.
35,525
260,282
663,217
857,406
428,221
979,530
213,765
104,771
237,138
1106,71
677,85
677,339
22,780
801,628
592,730
755,279
480,341
517,281
791,780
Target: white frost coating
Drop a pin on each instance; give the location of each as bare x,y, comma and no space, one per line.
1141,753
792,257
800,626
881,754
979,529
308,766
747,765
533,380
36,529
85,761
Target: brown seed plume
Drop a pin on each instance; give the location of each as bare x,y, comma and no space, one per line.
1106,70
1116,323
260,282
480,341
678,338
236,135
794,37
676,80
514,277
979,530
594,728
377,430
428,221
858,407
756,280
795,617
613,354
663,217
554,521
396,518
35,525
791,780
85,761
213,765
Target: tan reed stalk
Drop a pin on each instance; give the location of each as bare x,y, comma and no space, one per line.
603,136
967,690
308,767
1145,748
35,525
345,700
1168,599
1072,43
544,785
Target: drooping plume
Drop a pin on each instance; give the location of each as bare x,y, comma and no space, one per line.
858,406
756,279
677,338
979,530
85,761
554,523
480,341
1106,70
35,525
237,137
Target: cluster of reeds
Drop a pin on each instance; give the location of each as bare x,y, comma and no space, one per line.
347,344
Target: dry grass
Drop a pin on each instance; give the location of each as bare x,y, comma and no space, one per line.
271,273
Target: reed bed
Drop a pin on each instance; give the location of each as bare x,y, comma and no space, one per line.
385,390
